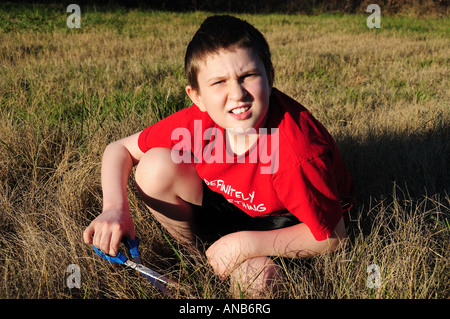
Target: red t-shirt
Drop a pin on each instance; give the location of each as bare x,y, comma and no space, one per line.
294,168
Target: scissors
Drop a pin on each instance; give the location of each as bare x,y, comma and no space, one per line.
132,245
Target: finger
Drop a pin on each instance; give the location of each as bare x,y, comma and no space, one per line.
96,238
87,234
105,243
114,242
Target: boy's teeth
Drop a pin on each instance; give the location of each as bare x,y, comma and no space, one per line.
239,110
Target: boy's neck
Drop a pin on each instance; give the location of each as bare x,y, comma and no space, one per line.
240,143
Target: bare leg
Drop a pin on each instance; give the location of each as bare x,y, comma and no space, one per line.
168,189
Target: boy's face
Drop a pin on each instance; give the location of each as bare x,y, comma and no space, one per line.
234,89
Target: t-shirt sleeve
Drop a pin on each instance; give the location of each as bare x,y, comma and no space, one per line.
309,191
155,135
171,132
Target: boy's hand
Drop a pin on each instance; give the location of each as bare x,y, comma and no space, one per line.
108,229
227,253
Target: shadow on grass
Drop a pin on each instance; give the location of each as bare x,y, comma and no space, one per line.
383,164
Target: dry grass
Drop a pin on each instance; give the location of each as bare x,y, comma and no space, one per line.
64,94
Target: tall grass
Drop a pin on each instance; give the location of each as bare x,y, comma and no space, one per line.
66,93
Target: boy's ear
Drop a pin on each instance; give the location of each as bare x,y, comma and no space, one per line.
195,97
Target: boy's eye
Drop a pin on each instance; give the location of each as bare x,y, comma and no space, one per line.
249,75
217,82
243,77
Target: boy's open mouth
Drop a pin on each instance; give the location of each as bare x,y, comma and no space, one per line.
241,112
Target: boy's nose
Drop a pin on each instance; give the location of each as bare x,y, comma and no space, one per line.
236,91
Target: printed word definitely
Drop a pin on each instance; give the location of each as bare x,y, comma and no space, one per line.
239,198
217,150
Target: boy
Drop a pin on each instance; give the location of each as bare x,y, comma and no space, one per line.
206,174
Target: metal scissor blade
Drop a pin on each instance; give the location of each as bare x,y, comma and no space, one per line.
155,278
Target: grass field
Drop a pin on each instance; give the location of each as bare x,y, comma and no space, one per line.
66,93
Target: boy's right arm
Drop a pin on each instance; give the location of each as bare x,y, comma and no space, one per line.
107,230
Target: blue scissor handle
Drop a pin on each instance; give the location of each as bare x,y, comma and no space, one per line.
120,258
132,246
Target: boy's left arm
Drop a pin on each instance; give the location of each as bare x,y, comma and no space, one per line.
293,242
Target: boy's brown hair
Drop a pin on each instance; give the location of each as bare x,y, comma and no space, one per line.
223,32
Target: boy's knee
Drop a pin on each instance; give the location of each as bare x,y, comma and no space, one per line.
155,171
158,175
